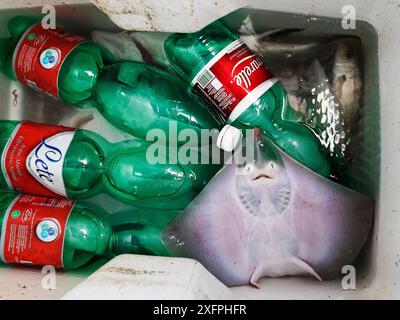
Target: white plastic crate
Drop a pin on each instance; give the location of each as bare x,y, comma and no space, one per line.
378,268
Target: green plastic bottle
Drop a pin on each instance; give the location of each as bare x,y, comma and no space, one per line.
68,72
56,161
216,63
137,97
66,234
133,96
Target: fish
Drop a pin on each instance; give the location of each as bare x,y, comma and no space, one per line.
291,53
292,57
119,44
271,217
347,78
151,45
323,79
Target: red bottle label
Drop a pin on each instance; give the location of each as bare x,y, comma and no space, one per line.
32,161
33,231
39,56
234,79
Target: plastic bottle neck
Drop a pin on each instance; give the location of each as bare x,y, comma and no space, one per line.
136,238
104,238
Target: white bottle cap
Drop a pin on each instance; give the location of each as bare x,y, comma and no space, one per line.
229,138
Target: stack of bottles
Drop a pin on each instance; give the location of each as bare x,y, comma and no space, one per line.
52,167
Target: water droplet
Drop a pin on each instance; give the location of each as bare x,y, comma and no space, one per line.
288,55
324,105
331,105
338,127
320,97
311,19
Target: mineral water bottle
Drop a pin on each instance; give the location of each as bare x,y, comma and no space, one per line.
52,61
133,96
138,97
216,63
55,161
65,234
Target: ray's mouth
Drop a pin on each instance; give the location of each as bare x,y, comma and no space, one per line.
263,175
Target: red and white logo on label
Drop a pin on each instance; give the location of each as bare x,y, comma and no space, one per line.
32,161
39,56
33,231
242,72
234,79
